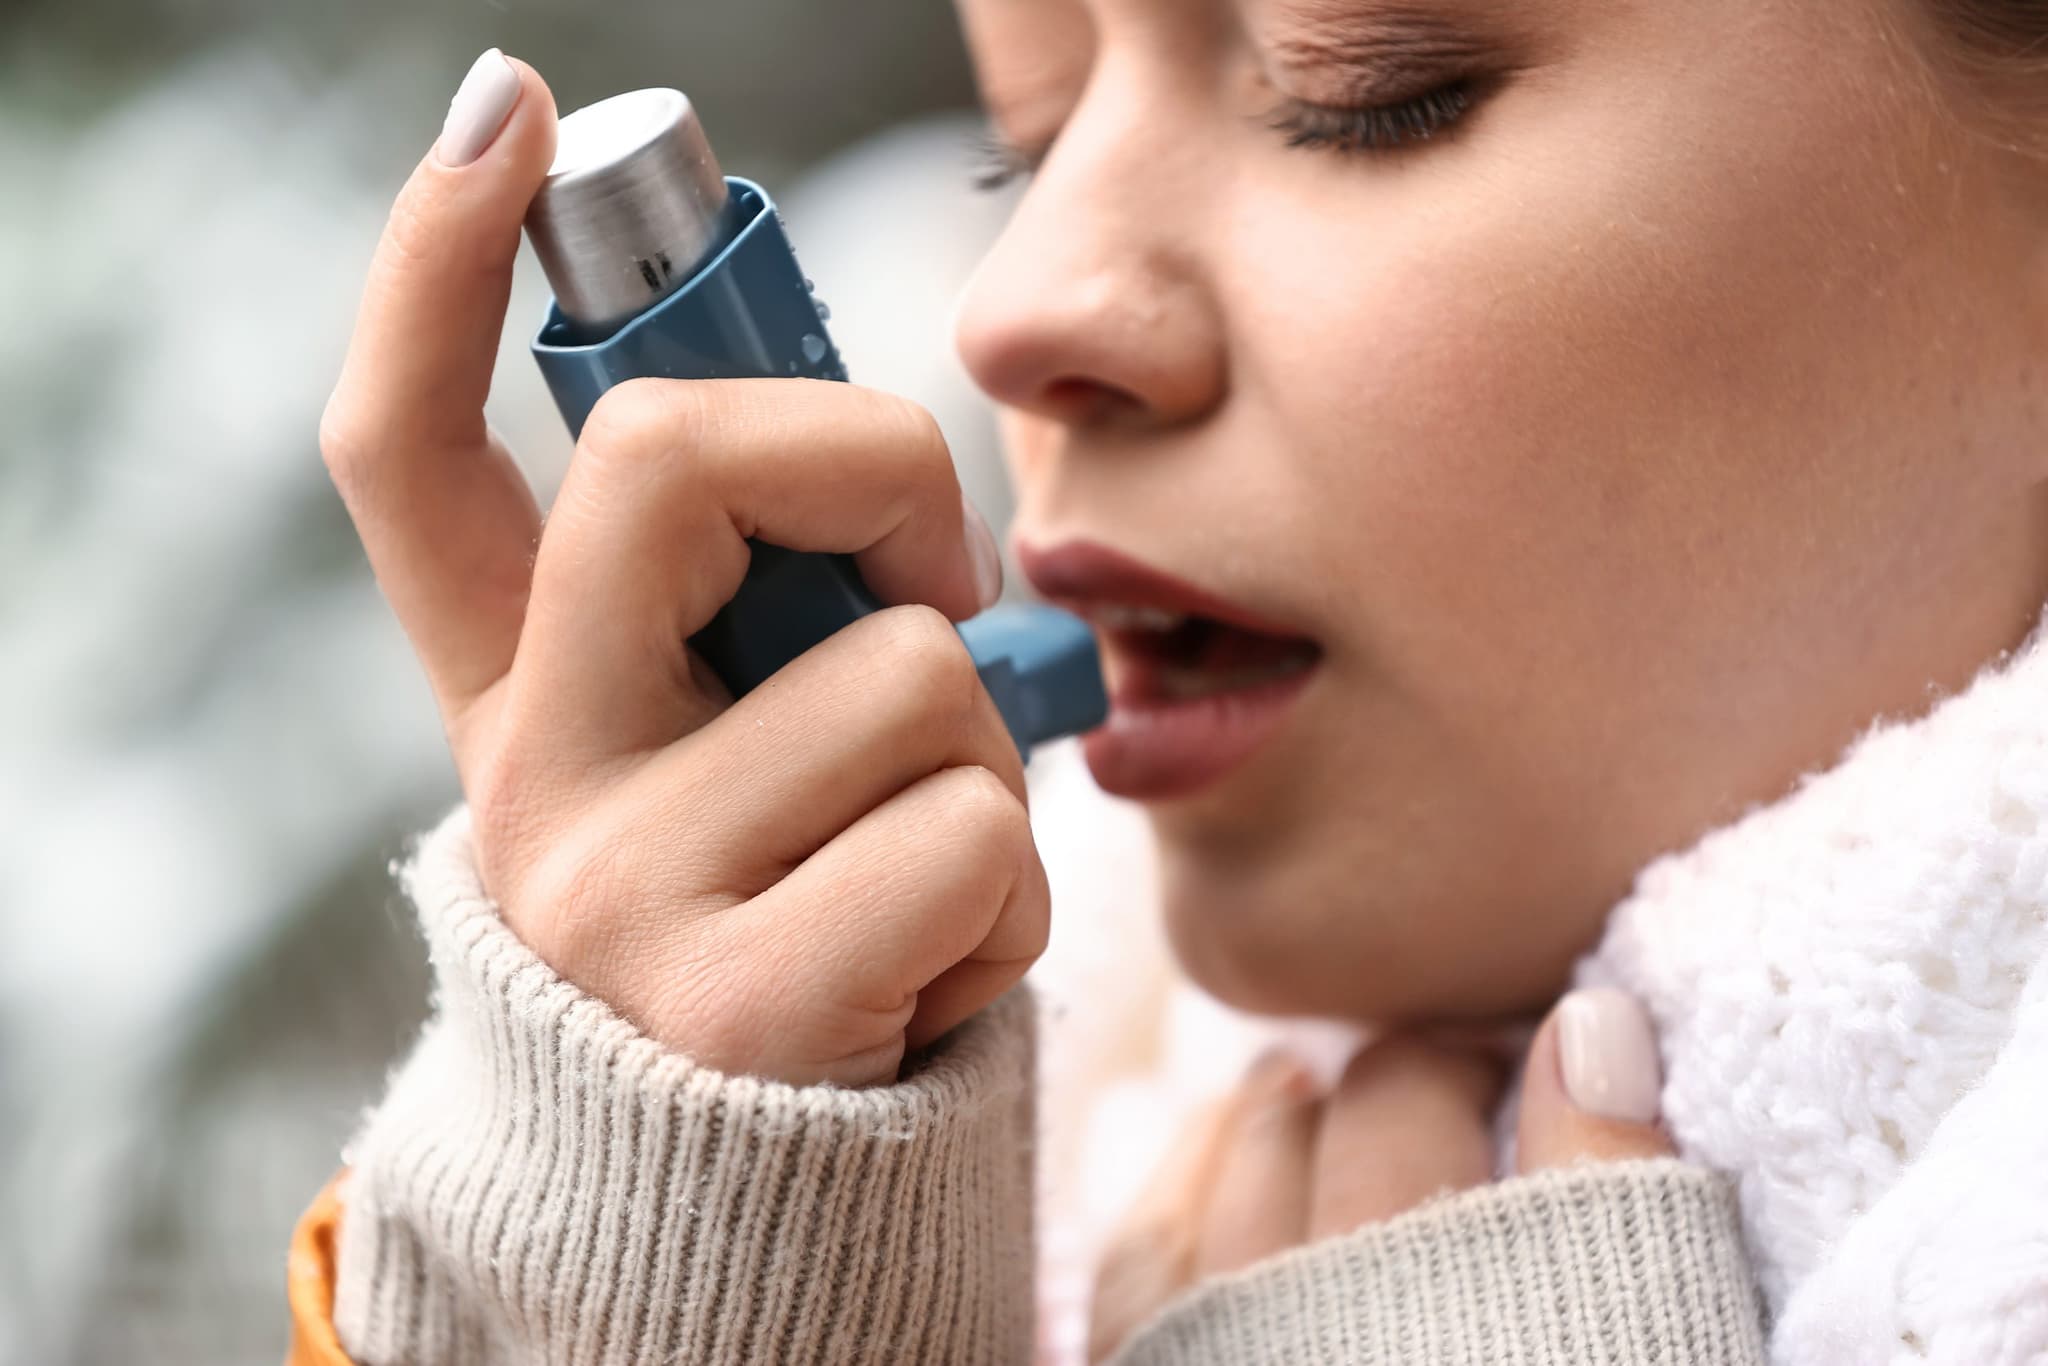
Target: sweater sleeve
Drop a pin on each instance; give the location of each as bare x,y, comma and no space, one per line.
542,1183
1619,1264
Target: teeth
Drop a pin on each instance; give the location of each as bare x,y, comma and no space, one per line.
1122,618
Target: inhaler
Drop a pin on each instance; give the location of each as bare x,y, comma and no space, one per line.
661,265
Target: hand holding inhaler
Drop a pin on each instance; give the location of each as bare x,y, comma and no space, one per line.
793,868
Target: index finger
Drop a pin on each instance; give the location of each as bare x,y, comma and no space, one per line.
445,515
649,538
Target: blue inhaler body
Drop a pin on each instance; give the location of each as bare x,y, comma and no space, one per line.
663,266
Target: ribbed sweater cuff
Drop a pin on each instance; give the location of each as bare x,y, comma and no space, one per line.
1624,1264
542,1184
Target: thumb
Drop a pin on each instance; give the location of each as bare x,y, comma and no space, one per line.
1590,1090
427,335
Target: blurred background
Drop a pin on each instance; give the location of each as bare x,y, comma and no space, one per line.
215,741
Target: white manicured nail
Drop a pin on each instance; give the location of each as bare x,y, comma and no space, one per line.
1608,1049
478,111
984,554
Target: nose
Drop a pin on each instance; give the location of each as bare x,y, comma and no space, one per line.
1096,305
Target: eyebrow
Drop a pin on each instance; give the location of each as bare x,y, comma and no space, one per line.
1017,81
1375,41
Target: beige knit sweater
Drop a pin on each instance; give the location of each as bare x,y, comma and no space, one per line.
543,1184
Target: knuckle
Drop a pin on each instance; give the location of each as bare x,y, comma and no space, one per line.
642,419
504,790
1034,902
410,238
984,807
912,442
912,428
343,448
926,656
570,909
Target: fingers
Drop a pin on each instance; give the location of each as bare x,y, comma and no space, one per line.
1259,1204
1152,1256
1408,1120
848,724
1279,1164
934,903
1590,1092
425,342
647,539
446,517
787,797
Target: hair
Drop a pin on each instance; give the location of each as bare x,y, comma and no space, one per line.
2006,31
1997,51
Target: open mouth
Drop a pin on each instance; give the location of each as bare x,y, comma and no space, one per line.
1197,684
1159,656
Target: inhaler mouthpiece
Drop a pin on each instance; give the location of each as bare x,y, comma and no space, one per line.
633,204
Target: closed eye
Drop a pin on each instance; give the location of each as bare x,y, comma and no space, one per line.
999,162
1376,127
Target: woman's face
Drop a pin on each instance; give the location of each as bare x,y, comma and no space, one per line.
1591,467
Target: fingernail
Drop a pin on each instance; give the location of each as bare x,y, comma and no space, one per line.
1608,1050
478,110
983,553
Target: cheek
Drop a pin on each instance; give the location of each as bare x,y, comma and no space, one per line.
1605,432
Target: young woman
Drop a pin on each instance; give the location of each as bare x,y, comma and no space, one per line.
1538,470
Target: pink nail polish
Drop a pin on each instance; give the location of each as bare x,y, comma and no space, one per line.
481,105
984,554
1607,1048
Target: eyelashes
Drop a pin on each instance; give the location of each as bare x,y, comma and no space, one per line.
1379,127
999,162
1368,128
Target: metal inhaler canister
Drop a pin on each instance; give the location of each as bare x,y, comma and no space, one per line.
662,265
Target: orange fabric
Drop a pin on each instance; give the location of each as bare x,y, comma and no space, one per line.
309,1282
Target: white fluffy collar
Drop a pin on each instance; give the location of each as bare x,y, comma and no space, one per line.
1850,990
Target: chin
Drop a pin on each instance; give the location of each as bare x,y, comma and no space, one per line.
1291,938
1261,941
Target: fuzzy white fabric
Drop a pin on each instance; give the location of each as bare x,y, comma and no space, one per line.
1851,988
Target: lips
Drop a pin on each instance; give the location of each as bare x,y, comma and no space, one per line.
1198,683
